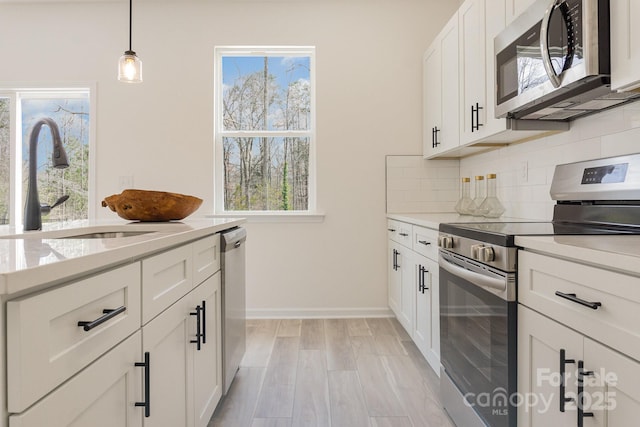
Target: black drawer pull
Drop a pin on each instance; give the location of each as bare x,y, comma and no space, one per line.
574,298
403,234
198,341
147,384
393,230
581,374
204,322
424,242
108,314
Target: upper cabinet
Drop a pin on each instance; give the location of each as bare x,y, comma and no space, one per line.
441,92
460,87
625,45
514,8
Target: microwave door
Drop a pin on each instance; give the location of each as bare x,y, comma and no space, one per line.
557,41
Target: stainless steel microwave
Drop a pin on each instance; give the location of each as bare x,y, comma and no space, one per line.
553,62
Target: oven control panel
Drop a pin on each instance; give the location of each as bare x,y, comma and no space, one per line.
500,257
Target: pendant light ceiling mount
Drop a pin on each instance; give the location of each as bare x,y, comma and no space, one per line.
129,65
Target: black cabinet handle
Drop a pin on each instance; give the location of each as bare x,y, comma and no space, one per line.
563,362
204,322
147,384
475,111
420,278
198,327
393,230
435,137
107,315
424,242
403,234
581,374
574,298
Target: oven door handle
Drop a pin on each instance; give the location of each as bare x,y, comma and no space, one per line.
473,277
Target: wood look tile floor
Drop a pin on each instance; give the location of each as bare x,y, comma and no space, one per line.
331,372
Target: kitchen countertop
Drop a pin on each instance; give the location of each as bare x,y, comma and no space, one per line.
433,220
620,253
37,259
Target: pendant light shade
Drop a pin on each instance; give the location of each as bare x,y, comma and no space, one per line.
129,65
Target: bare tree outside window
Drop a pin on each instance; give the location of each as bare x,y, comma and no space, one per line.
5,164
266,132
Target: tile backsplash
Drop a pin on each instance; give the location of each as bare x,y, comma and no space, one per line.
417,185
524,171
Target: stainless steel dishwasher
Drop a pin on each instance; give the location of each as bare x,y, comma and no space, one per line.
233,303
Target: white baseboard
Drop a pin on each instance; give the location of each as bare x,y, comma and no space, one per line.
317,313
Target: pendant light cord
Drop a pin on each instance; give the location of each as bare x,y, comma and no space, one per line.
130,22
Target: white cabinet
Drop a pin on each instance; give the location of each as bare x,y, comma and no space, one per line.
46,345
102,395
610,395
514,8
413,287
578,318
79,354
207,361
625,45
441,92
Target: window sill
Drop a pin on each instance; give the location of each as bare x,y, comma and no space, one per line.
280,217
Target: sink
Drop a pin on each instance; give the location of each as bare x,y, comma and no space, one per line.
105,235
91,232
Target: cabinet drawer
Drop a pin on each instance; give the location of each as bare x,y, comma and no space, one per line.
206,258
425,242
614,322
166,278
45,345
399,232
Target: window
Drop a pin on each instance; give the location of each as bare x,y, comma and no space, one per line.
20,110
264,136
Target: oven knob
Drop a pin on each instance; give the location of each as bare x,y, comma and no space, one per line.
475,251
487,254
445,242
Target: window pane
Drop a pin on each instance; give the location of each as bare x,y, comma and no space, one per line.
266,93
266,173
72,117
5,164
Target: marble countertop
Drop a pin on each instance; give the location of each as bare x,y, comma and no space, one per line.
35,259
620,253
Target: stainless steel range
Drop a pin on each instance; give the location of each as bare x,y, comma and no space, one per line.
478,284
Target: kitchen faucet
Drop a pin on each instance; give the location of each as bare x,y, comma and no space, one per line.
33,210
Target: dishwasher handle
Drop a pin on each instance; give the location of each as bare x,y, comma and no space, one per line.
232,239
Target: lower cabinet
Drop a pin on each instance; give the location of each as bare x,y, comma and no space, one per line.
413,287
102,395
183,344
568,379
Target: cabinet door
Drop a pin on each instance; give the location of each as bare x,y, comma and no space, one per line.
102,395
167,339
613,392
625,44
409,277
514,8
472,70
395,277
422,325
540,341
441,92
207,361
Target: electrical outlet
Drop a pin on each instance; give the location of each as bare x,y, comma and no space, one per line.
125,182
524,171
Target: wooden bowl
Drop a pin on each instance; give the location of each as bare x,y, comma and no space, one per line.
144,205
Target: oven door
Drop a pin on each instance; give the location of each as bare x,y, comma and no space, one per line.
553,45
478,336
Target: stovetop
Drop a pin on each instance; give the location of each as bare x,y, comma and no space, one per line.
504,233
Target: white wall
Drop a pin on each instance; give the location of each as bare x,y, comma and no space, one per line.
369,56
611,133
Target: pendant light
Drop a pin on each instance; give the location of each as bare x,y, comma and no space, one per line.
130,66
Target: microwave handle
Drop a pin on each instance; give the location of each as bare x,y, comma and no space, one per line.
544,44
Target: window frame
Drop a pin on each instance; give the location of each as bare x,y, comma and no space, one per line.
219,133
16,93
